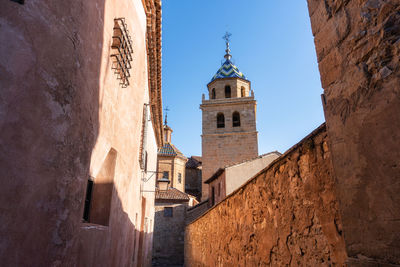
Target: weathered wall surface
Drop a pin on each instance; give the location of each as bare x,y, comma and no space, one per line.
358,49
61,112
286,215
193,181
169,232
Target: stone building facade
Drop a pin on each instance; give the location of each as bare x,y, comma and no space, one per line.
171,162
170,221
358,51
228,121
226,180
287,215
80,128
193,176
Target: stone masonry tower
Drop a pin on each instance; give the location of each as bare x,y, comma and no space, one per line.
229,120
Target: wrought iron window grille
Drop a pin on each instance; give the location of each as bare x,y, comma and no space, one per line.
121,51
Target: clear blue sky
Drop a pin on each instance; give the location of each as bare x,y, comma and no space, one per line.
271,44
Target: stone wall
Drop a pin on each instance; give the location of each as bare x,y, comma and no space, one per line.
193,181
358,49
168,234
286,215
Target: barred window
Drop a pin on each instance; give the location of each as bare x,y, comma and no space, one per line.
121,51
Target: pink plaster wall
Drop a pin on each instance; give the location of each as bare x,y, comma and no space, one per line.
61,111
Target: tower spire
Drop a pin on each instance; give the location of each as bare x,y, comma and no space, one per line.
166,115
226,37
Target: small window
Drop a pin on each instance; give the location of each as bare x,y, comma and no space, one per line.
219,189
212,196
145,161
19,1
227,91
168,212
213,93
88,200
179,178
220,120
235,119
99,192
165,175
243,92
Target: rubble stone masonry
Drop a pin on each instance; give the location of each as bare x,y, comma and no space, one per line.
286,215
358,49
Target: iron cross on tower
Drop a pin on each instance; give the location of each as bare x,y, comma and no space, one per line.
226,37
166,114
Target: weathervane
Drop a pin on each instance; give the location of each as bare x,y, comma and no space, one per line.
166,114
226,37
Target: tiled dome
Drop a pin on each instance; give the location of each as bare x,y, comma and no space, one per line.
228,70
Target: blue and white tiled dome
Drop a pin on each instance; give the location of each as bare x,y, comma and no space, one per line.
228,70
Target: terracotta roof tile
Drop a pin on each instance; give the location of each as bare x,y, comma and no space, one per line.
169,149
193,162
171,194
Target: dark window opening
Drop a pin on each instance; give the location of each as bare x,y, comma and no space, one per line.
220,120
227,91
165,175
179,178
213,93
243,92
235,119
18,1
212,196
168,212
88,200
145,161
99,192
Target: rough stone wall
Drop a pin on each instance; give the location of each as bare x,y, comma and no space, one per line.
358,50
195,212
286,215
61,112
168,247
193,182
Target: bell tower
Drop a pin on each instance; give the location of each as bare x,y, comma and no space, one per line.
228,120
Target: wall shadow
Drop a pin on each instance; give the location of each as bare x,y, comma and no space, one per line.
49,122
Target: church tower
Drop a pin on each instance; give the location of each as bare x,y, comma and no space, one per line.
229,120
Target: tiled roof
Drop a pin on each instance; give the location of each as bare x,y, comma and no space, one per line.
228,70
193,162
198,158
171,194
169,149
